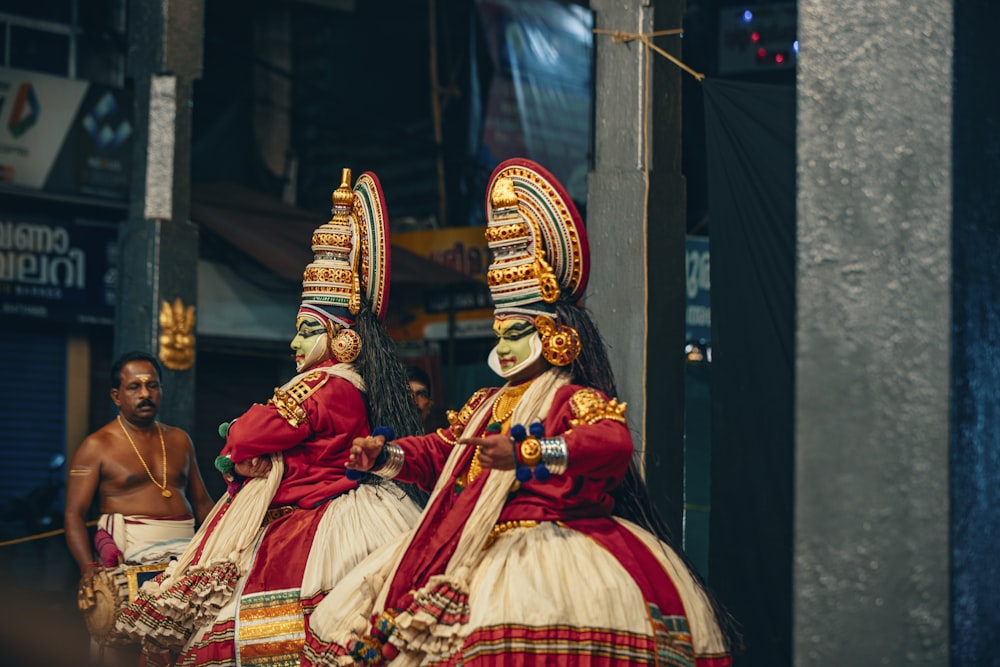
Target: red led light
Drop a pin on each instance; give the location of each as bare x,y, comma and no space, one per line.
779,58
755,37
761,52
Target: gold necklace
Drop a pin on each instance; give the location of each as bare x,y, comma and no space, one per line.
164,491
501,411
503,406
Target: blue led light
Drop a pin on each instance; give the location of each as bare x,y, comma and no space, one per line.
747,16
795,46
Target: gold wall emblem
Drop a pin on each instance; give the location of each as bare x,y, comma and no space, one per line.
177,335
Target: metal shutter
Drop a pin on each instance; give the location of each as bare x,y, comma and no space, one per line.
32,417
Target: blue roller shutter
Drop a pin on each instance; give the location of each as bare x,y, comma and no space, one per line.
32,417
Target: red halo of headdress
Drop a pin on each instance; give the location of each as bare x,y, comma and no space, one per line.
376,257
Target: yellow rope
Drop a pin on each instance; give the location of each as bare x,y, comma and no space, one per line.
40,536
622,37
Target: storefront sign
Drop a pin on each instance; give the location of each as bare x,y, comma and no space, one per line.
64,136
699,284
58,270
426,311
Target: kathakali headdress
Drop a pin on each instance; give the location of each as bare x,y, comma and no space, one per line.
540,252
351,262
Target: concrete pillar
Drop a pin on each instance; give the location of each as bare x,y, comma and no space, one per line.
158,244
636,228
874,212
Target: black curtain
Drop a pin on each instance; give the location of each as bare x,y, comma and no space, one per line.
750,142
975,356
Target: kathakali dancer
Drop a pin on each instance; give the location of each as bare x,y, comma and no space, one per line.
293,523
521,556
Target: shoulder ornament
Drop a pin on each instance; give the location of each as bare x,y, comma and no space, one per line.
458,420
589,406
288,402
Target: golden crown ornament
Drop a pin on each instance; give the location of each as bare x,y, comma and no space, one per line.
351,261
539,252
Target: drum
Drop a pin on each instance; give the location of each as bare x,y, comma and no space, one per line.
107,595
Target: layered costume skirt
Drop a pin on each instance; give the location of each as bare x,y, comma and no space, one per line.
469,588
261,600
542,595
298,557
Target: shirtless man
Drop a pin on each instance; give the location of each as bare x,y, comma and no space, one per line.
144,472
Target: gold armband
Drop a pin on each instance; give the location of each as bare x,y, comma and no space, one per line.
289,402
589,406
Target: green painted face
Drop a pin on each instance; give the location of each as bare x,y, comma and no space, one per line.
309,343
513,347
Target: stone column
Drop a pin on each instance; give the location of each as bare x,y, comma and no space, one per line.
637,234
874,213
158,244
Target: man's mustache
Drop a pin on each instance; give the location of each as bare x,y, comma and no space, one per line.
146,403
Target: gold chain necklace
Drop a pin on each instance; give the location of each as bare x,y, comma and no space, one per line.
503,406
501,411
164,491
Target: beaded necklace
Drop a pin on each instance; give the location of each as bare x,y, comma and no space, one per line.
164,491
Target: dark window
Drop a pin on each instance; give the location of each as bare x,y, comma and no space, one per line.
57,11
39,50
99,63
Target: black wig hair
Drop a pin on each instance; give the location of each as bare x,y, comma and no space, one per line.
388,389
591,368
389,400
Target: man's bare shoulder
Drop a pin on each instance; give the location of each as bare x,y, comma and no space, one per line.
99,440
96,449
178,442
174,435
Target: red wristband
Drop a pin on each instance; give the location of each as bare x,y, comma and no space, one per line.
86,567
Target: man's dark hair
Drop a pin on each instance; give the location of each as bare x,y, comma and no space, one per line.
418,374
118,364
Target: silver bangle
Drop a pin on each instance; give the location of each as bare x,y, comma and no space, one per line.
394,462
554,454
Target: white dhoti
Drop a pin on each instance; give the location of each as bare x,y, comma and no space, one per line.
147,544
148,539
